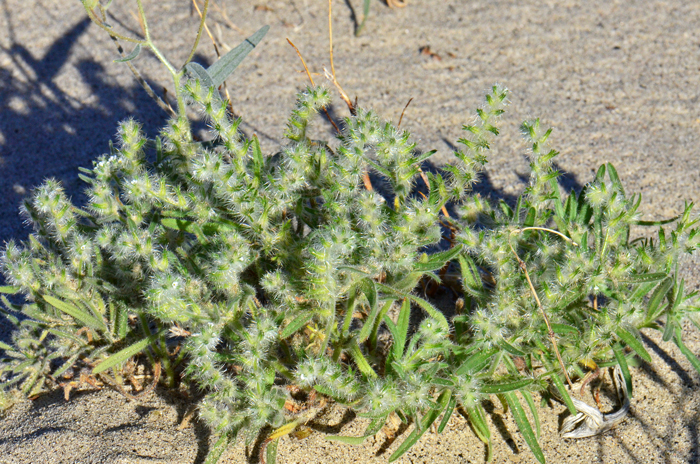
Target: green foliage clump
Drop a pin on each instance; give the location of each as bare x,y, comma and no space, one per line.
306,272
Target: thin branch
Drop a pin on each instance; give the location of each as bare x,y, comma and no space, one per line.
404,110
550,333
313,84
151,93
547,230
144,24
111,31
302,62
331,76
203,17
330,34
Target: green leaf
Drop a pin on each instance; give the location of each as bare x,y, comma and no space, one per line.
671,324
369,325
346,440
425,423
632,341
477,418
615,179
657,223
131,350
530,218
218,449
271,452
401,328
524,425
533,409
257,156
475,362
438,260
622,361
9,290
361,361
6,347
657,297
365,13
76,313
120,320
298,322
571,207
448,413
558,203
378,322
374,426
372,429
134,53
600,175
563,329
686,352
431,310
178,224
644,278
505,387
470,276
507,347
225,65
564,393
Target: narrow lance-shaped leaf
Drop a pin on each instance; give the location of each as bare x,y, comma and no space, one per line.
427,420
524,425
76,313
448,413
361,361
559,384
370,291
296,324
622,361
438,260
401,329
478,420
218,449
657,297
475,362
224,66
372,429
134,53
126,353
506,386
633,343
692,358
533,409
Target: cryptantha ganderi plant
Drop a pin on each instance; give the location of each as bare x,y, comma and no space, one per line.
266,279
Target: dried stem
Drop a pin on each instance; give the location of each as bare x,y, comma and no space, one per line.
550,333
404,110
331,76
312,83
151,93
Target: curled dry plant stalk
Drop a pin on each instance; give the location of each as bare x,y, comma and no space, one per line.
279,283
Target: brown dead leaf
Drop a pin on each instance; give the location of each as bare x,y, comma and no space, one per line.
427,51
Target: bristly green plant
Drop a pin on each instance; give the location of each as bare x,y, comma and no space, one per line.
292,278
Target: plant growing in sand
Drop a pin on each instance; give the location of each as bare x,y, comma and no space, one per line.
279,283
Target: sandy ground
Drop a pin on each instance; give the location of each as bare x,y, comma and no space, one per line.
618,80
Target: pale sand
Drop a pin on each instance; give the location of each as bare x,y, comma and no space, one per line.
618,80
